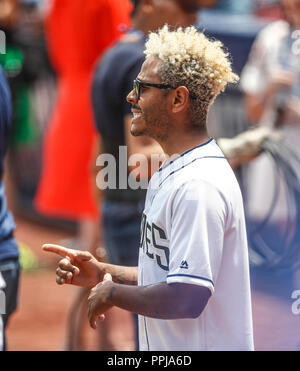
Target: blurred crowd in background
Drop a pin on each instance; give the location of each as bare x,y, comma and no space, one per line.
38,52
52,48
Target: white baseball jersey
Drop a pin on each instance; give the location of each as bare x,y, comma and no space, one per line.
193,232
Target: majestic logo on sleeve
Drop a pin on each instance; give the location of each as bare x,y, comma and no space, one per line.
154,243
184,264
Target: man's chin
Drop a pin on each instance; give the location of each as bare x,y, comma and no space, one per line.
135,132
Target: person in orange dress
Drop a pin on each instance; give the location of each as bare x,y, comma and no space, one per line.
77,33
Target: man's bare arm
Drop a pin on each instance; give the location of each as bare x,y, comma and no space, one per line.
161,300
120,274
81,268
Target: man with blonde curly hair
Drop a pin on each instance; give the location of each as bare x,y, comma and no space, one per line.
191,289
192,61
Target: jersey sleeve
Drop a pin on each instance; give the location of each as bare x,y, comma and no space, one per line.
197,233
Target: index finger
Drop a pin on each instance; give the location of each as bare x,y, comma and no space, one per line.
60,250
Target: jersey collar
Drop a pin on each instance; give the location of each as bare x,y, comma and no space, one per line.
164,165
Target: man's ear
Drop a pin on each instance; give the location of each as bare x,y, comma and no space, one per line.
180,99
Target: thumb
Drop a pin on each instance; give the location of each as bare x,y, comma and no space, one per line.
107,277
93,320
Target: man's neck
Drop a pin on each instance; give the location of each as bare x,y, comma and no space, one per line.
178,144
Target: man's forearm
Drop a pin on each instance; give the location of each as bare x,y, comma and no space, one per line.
120,274
163,301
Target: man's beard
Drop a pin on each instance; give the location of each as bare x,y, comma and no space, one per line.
157,126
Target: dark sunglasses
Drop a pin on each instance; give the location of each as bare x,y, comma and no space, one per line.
138,84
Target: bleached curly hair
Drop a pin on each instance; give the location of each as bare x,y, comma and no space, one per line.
190,59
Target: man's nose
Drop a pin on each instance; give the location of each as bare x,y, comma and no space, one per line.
131,97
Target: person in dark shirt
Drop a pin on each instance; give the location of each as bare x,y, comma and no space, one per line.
9,254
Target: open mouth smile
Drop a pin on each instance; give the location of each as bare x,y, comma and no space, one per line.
136,115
